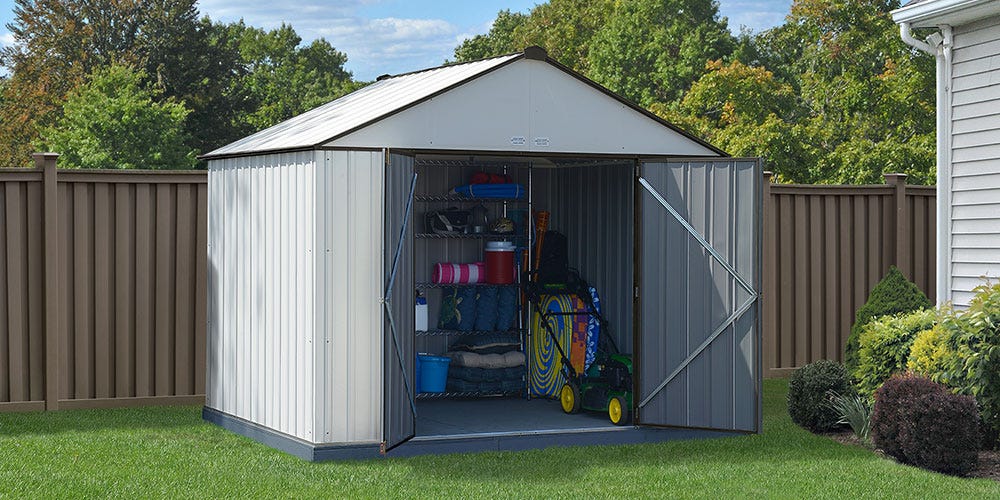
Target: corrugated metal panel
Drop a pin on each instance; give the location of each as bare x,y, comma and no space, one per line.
593,207
261,241
685,295
975,182
399,365
547,108
369,103
349,224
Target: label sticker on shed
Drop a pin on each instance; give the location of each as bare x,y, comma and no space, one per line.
518,140
541,142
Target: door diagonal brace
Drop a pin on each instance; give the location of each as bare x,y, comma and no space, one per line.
725,264
704,345
697,236
387,300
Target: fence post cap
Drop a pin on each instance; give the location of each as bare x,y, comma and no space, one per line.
894,178
45,156
768,174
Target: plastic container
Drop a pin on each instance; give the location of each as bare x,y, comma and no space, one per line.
416,377
420,314
499,262
433,372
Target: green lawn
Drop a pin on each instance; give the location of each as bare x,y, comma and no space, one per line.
170,452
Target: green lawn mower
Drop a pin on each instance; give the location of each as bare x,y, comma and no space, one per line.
606,385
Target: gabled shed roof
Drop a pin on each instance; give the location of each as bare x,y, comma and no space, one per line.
390,95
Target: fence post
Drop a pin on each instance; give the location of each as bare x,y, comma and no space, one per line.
901,224
50,245
767,294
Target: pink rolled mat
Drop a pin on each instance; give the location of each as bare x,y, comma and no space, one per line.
448,273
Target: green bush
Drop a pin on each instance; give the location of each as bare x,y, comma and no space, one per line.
810,390
894,294
884,347
975,367
931,353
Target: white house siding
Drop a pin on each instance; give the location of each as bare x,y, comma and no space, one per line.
260,255
975,180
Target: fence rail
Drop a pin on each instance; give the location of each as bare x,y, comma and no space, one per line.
825,247
103,302
102,278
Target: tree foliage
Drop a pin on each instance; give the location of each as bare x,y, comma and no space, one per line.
830,96
232,79
283,78
114,121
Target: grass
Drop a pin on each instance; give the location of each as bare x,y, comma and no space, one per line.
171,452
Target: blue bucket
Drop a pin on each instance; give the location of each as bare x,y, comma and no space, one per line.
433,373
416,377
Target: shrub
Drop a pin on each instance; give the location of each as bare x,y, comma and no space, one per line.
974,369
856,412
941,433
931,353
893,401
884,347
894,294
808,394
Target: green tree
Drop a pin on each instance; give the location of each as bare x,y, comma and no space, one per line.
114,120
651,51
59,42
501,39
283,78
868,98
746,111
566,29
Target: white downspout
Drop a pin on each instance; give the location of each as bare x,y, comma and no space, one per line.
940,47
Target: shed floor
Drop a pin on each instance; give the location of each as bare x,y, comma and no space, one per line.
500,415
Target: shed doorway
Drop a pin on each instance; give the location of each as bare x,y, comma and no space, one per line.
600,207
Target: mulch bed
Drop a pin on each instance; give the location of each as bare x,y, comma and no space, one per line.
987,468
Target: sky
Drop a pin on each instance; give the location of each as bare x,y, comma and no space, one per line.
396,36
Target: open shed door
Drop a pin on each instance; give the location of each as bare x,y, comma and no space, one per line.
698,332
399,419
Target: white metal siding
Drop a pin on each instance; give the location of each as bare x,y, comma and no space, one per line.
260,258
528,105
975,178
349,224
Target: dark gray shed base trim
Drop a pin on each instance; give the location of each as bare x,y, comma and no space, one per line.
467,443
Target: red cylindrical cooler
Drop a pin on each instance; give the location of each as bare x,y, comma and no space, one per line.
499,262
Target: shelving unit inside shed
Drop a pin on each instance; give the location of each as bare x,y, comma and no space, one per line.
435,180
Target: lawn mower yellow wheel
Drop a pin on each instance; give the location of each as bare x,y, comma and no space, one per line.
618,411
569,398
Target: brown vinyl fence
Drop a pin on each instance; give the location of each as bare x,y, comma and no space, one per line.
102,278
103,296
825,247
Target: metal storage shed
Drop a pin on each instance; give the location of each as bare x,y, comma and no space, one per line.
315,250
966,45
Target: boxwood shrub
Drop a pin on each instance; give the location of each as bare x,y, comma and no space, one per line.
809,390
894,294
